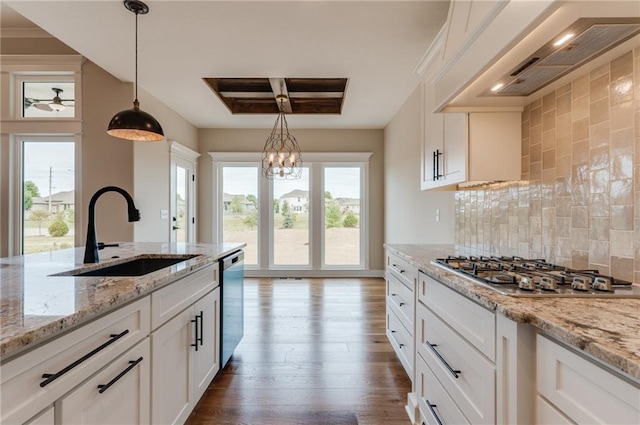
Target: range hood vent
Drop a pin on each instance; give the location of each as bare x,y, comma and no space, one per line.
591,38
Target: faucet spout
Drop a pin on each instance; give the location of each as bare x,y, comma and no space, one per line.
91,248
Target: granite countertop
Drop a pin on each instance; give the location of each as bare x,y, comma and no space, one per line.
34,305
607,329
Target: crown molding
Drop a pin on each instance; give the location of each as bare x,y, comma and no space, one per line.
24,33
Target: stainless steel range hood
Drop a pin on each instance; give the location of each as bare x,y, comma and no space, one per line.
584,40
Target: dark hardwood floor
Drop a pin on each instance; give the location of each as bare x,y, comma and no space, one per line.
314,353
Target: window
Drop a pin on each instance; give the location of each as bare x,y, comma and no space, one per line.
317,222
47,99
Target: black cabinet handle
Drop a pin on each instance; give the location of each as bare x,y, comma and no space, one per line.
401,304
437,155
433,348
397,268
195,344
201,316
433,412
50,377
435,166
132,364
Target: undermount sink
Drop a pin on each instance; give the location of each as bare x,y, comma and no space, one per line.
134,267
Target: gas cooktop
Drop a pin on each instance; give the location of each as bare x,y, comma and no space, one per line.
520,277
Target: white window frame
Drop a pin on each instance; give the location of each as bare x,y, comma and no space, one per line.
20,78
316,161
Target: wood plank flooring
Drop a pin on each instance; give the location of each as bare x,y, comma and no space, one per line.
315,353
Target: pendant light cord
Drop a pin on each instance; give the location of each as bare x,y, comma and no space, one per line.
136,81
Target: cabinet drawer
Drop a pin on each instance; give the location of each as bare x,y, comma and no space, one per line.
401,340
447,354
431,393
582,390
22,393
475,323
546,413
402,298
402,270
172,299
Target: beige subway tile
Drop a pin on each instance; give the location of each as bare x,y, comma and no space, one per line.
563,225
549,102
563,104
622,166
535,207
548,177
599,111
636,145
599,158
563,206
622,116
564,247
549,120
548,139
536,104
524,147
563,90
622,217
636,276
549,159
580,217
580,174
549,235
580,238
535,171
535,225
636,123
580,130
621,91
599,134
636,203
622,243
599,88
599,181
599,228
535,152
535,116
524,128
622,66
599,252
563,145
563,125
622,268
524,165
535,135
580,152
580,87
580,259
604,269
622,192
599,205
580,108
535,246
563,186
601,70
580,194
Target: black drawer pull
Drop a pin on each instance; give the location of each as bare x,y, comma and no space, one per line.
50,377
400,345
397,268
401,304
201,316
195,334
433,348
433,412
132,364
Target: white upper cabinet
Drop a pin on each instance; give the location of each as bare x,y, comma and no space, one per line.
475,147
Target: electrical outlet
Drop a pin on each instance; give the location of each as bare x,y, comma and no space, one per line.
437,214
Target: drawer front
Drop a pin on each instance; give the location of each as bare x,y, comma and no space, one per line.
475,323
402,298
175,297
401,341
433,400
582,390
402,270
546,413
22,393
447,354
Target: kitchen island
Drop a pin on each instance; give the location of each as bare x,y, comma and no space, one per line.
58,330
595,331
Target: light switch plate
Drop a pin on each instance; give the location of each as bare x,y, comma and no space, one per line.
164,214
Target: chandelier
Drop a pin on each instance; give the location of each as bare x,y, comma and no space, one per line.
281,158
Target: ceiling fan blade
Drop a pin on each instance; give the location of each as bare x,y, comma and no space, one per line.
43,106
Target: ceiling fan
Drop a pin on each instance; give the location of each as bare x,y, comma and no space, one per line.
54,104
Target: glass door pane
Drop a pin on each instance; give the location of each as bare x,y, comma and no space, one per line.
291,221
180,219
48,196
342,205
240,209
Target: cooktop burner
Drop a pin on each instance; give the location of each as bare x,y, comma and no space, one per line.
522,277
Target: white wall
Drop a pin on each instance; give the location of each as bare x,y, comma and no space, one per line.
409,213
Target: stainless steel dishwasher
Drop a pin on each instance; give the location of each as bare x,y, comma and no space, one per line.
232,304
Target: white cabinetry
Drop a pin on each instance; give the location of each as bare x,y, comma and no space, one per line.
119,394
465,147
185,349
43,418
578,390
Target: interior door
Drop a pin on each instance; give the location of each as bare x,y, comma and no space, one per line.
182,220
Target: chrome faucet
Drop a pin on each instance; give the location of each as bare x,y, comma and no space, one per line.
91,249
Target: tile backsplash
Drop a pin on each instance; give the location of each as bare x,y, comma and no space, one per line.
576,204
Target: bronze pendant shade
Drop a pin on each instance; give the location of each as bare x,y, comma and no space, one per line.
134,123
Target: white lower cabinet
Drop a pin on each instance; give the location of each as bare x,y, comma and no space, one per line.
43,418
185,358
582,390
119,394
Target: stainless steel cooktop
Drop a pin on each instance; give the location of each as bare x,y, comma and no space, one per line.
520,277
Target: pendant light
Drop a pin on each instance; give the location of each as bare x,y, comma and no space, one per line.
281,156
135,124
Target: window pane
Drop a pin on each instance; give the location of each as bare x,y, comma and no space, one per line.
48,196
240,209
181,204
342,216
48,99
291,220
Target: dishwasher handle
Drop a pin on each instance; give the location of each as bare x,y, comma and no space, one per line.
232,259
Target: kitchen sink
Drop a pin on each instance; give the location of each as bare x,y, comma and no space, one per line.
138,266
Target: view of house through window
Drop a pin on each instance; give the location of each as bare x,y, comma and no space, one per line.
240,209
291,221
48,195
342,215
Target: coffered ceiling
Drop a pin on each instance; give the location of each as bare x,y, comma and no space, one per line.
187,47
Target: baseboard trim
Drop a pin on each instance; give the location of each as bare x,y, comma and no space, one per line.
313,273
